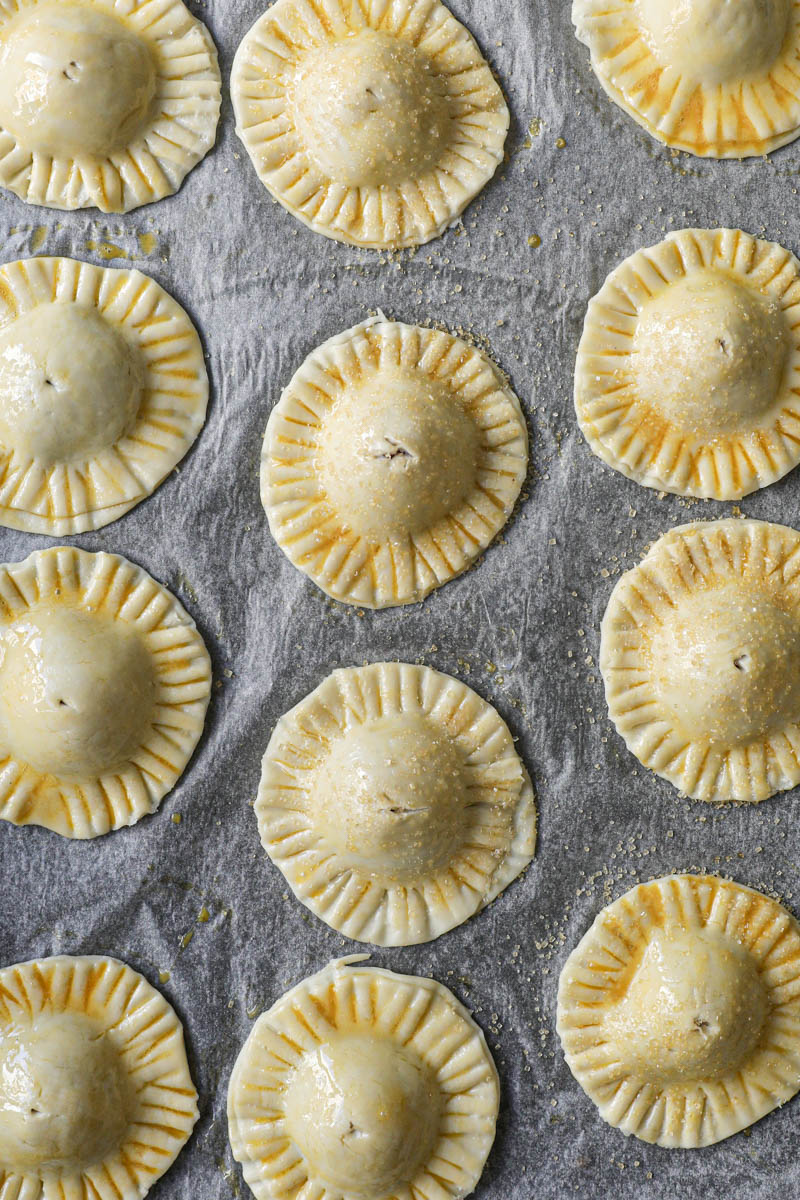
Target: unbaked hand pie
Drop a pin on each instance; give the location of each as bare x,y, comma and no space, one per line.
96,1098
716,79
394,802
688,371
679,1010
365,1085
391,461
104,685
103,389
374,124
700,653
103,103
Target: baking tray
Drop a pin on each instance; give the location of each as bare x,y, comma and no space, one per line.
521,628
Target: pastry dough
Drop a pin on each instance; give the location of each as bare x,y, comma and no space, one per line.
719,80
103,103
373,123
363,1084
394,802
104,684
103,389
688,371
96,1098
700,653
391,461
679,1011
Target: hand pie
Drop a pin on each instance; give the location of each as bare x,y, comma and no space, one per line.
391,461
104,685
679,1010
103,103
374,124
394,803
688,371
96,1098
700,653
716,79
363,1084
103,389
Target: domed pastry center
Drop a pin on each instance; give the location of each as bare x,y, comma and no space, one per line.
710,353
71,385
371,110
399,453
713,42
693,1010
77,692
365,1114
74,81
65,1097
726,664
390,797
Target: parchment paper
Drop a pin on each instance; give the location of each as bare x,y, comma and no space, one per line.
521,628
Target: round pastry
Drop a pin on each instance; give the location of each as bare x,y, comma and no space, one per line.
373,124
688,371
394,803
103,103
700,653
391,461
365,1084
679,1010
104,685
716,79
103,389
96,1098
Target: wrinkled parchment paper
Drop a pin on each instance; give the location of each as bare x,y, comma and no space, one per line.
521,628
